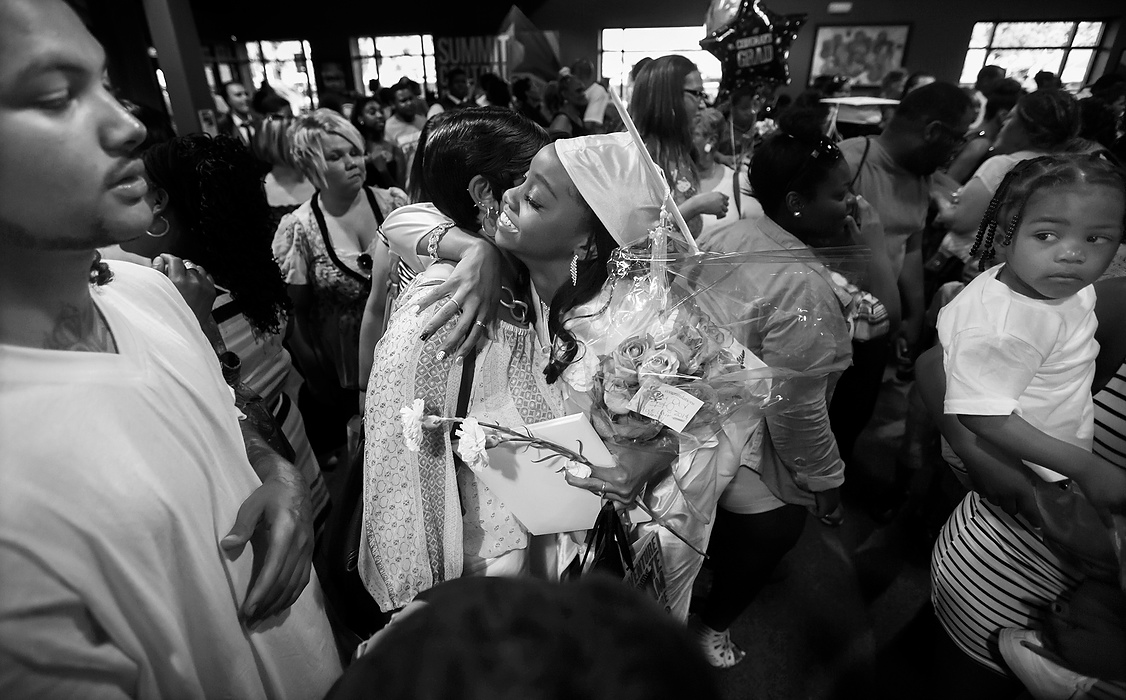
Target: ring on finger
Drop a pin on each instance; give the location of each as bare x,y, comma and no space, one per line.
483,325
189,265
602,489
456,304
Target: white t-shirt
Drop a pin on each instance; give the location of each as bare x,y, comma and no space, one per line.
121,473
749,207
1007,353
597,100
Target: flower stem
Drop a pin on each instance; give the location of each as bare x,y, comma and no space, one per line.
571,454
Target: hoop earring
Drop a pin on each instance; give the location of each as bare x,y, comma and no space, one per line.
167,227
575,270
488,211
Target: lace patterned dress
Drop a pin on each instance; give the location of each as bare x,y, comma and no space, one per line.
339,283
426,519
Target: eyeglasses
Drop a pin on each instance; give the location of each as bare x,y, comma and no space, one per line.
700,95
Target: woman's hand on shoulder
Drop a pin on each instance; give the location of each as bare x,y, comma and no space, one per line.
471,293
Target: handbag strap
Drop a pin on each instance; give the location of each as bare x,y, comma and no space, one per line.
863,158
319,216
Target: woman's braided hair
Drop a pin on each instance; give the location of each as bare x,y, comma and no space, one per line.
1031,176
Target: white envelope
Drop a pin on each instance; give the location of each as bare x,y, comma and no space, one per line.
536,491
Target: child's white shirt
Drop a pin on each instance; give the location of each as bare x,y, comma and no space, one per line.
1007,353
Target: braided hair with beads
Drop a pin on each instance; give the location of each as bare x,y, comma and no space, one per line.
1025,180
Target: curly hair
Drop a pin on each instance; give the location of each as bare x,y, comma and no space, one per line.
1031,176
592,274
215,192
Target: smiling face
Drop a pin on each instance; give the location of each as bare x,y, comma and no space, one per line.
344,165
1067,238
238,99
542,220
68,179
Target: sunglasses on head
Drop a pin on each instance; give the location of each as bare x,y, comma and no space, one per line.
825,151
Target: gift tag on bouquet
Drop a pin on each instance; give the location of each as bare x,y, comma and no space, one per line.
667,404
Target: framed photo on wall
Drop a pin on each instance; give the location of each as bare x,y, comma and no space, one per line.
864,53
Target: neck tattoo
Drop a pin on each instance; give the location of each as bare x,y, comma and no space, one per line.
80,331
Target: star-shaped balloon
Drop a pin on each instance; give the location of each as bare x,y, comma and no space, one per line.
754,48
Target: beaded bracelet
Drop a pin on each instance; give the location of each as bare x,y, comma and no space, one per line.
435,237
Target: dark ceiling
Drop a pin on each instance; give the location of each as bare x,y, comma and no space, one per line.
217,20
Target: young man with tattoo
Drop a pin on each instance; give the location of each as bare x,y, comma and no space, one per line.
129,488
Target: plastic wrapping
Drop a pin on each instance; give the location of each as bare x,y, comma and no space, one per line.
682,343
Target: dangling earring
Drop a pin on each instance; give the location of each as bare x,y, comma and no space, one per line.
575,270
164,232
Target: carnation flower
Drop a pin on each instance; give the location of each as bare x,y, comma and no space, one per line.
577,469
412,416
471,444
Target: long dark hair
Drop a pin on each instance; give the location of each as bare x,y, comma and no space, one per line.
592,274
496,143
1030,176
214,187
657,107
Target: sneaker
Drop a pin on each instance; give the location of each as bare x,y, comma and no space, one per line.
1045,679
718,648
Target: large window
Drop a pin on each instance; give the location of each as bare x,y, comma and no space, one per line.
1023,49
622,48
284,64
389,58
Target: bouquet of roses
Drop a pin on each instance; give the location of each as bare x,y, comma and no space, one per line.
661,347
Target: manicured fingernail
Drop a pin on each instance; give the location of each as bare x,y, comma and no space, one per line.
457,360
251,610
441,355
424,337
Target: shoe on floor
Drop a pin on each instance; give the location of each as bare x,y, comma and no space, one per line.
718,648
1044,678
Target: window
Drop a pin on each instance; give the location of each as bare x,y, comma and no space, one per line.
388,58
284,64
622,48
1023,49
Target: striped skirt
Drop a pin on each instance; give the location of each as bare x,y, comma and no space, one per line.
990,571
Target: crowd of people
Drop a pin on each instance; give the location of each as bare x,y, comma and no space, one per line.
195,330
